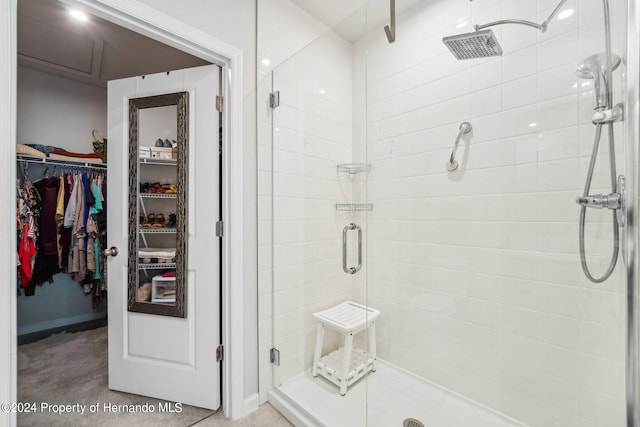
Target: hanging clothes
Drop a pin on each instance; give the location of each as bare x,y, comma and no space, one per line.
48,225
46,263
77,253
60,218
61,226
93,249
25,252
65,233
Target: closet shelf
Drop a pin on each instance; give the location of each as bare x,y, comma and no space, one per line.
157,266
354,207
155,161
158,230
354,168
68,163
158,195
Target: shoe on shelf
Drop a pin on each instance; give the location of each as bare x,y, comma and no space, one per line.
172,221
166,143
159,221
151,219
159,142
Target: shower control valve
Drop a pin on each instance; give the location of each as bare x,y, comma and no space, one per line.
600,201
615,114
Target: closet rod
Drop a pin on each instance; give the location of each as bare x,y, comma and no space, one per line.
46,161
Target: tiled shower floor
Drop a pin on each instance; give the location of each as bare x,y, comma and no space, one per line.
393,395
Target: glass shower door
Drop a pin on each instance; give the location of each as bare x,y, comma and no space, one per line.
319,209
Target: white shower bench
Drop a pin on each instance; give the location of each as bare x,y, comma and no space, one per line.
347,364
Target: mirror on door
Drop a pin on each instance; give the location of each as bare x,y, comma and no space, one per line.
158,170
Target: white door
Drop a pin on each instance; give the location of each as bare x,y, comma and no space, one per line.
169,358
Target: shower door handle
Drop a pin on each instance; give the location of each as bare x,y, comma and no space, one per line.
351,270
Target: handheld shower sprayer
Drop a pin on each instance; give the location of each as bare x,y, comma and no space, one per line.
595,68
600,67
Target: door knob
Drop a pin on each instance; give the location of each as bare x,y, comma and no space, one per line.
112,251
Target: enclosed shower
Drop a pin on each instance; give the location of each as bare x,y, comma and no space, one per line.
447,193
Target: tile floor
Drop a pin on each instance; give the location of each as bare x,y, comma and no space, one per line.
265,416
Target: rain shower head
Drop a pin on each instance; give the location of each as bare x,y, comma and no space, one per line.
478,44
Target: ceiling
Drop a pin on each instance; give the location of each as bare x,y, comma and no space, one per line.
352,19
93,52
330,12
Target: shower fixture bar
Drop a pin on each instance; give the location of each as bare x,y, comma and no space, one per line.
465,128
542,27
390,31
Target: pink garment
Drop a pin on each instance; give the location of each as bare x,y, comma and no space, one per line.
26,251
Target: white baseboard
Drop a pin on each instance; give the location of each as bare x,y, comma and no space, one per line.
249,404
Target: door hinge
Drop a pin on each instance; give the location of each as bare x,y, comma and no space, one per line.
274,99
274,356
220,353
219,228
219,103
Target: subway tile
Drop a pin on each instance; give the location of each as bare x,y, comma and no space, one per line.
476,272
520,93
560,50
519,64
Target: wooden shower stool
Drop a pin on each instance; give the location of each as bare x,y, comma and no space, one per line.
347,364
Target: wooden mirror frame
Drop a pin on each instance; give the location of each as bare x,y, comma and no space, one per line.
181,101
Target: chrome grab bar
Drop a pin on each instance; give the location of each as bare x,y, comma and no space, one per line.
351,270
465,128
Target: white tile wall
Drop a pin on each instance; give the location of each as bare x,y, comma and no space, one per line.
476,272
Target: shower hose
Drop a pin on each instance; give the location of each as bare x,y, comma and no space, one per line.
583,209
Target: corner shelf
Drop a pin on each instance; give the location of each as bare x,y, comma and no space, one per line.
353,168
354,207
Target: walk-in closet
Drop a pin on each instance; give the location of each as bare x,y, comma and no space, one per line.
64,63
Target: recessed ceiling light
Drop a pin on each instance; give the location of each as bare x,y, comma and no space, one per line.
266,62
565,14
532,125
80,16
461,24
322,91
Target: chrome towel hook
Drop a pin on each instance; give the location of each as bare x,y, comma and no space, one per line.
465,128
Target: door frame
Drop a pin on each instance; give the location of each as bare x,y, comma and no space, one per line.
151,23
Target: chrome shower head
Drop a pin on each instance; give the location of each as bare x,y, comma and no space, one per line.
478,44
595,67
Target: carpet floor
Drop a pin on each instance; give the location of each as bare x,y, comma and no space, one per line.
70,369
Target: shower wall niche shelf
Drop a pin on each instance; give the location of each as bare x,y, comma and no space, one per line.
354,168
353,207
